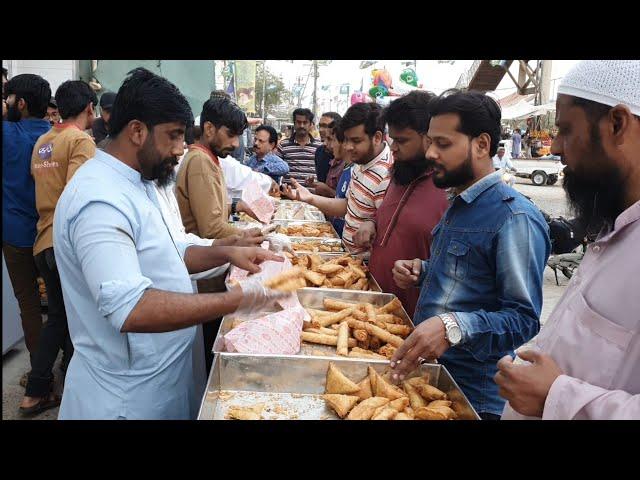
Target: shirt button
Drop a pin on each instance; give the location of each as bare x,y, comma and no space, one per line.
596,248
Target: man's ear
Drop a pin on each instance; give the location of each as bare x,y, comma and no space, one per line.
90,109
209,129
21,105
378,137
621,118
483,144
137,132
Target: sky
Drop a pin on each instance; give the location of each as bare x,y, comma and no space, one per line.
432,74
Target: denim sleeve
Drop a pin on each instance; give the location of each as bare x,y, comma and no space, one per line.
423,273
522,248
102,239
277,166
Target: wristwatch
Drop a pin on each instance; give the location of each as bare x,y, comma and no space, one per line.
453,334
234,205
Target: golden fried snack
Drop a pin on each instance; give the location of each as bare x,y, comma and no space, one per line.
322,339
417,381
343,339
245,413
399,404
370,311
385,414
292,273
360,284
349,282
359,315
374,343
439,403
327,283
236,322
364,410
373,377
364,345
426,413
329,268
390,307
365,389
303,261
387,390
334,318
430,393
360,335
358,271
337,305
315,313
315,261
356,324
334,326
446,411
410,413
341,404
337,282
387,350
361,353
337,382
401,330
291,285
415,398
402,416
315,278
383,335
322,330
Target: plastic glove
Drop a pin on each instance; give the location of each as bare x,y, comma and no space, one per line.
257,298
279,242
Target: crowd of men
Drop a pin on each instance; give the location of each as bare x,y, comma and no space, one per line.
133,253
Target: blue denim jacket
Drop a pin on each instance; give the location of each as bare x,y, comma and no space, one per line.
487,260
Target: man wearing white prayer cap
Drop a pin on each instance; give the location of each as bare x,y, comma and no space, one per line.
585,363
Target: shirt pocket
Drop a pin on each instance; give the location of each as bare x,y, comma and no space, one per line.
587,345
458,259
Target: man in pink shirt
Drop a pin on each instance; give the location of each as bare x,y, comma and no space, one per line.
585,363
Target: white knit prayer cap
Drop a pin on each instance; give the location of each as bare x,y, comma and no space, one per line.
610,82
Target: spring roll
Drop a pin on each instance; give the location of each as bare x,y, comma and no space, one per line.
343,337
323,339
387,350
361,335
400,330
390,307
374,343
370,311
337,305
335,318
383,335
292,273
290,285
361,353
322,330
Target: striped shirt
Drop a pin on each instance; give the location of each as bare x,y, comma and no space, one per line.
301,160
366,191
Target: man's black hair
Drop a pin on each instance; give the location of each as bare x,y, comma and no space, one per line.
5,73
73,96
478,113
409,111
367,114
518,130
335,116
303,111
223,112
219,94
34,90
149,98
273,135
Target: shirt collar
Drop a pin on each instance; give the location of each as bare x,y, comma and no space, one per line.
474,191
119,166
293,139
202,148
629,216
384,155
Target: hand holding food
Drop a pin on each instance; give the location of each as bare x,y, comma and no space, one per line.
256,297
407,272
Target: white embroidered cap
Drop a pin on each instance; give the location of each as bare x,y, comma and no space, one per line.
610,82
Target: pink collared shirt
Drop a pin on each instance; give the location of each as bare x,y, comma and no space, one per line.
593,333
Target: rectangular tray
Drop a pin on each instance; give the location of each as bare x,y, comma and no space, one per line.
291,386
334,242
311,214
373,283
287,223
313,298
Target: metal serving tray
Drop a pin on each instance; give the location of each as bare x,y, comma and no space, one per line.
314,298
291,223
285,212
290,387
333,242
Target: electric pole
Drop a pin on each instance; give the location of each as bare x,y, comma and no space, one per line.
315,88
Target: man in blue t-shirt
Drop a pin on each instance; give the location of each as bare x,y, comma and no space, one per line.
263,159
27,98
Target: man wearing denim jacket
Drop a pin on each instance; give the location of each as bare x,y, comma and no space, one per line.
481,290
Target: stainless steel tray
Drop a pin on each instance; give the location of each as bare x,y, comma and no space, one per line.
373,283
333,242
285,211
288,223
290,387
313,298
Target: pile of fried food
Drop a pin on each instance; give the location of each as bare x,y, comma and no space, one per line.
357,330
308,230
375,398
316,246
345,272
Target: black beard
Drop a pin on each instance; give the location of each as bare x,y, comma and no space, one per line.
406,172
164,173
595,202
13,114
455,178
220,153
152,169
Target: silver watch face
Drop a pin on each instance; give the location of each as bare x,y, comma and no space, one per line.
455,335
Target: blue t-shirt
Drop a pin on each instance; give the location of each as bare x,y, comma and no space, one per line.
19,214
341,192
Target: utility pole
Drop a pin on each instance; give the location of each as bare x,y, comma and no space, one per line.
264,90
315,88
545,82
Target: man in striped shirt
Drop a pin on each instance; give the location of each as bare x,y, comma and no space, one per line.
364,146
299,151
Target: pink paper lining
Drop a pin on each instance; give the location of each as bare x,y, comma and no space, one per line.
260,203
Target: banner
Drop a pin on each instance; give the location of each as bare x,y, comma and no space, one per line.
245,76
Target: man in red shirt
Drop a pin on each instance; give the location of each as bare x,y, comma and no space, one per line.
412,206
